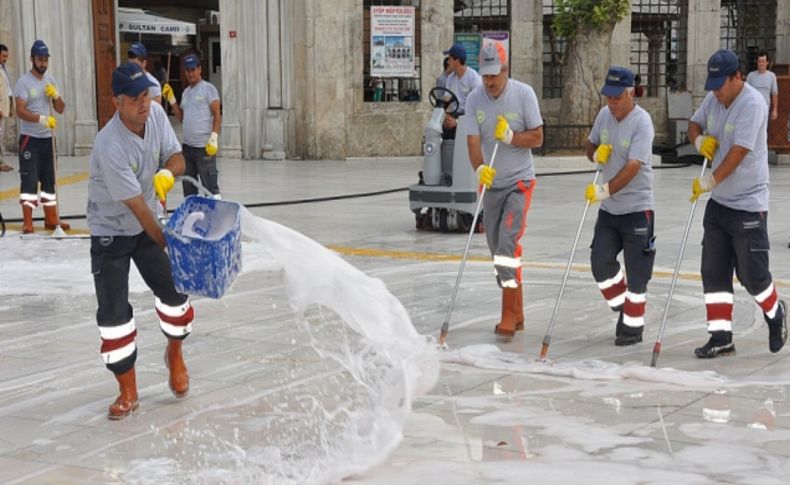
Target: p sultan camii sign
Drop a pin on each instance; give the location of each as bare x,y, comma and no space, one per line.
149,27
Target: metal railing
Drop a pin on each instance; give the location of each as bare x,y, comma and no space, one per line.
563,138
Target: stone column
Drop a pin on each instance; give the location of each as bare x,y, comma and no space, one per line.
7,37
326,88
703,40
243,60
782,32
620,48
77,23
526,43
257,53
437,35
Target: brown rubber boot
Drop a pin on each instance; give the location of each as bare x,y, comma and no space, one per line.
27,219
51,218
519,308
126,403
174,360
507,326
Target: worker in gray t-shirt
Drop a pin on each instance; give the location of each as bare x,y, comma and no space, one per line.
125,181
461,81
729,129
200,112
37,99
504,112
764,81
621,142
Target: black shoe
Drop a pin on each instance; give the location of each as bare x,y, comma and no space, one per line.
720,343
777,329
628,336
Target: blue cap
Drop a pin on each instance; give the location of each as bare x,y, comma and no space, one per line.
39,49
137,49
617,79
191,61
720,65
129,79
456,50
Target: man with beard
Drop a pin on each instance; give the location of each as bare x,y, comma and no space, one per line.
33,93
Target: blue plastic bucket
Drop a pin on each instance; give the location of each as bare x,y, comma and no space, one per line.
204,243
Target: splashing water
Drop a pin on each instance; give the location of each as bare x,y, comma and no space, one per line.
340,405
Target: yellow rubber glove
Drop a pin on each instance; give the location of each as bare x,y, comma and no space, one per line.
700,185
167,92
706,146
163,182
48,122
485,175
51,91
596,193
502,132
602,154
211,146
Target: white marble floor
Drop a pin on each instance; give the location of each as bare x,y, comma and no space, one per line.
593,412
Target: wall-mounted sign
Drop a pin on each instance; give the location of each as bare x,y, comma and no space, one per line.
138,21
392,41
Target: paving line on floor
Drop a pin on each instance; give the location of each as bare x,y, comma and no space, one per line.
439,257
68,180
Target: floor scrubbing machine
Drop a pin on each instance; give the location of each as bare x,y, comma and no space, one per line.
445,197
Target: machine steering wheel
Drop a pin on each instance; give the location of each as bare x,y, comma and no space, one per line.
437,97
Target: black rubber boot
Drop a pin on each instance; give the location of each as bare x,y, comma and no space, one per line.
720,343
777,328
618,329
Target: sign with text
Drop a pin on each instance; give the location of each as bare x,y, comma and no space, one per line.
392,41
471,43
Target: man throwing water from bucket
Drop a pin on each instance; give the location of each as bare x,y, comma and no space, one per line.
504,111
124,182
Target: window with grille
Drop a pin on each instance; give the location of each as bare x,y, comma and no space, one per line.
748,26
658,44
553,51
394,88
481,15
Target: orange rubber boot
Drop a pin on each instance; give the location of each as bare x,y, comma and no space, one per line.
51,218
27,219
174,360
507,326
127,402
519,308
